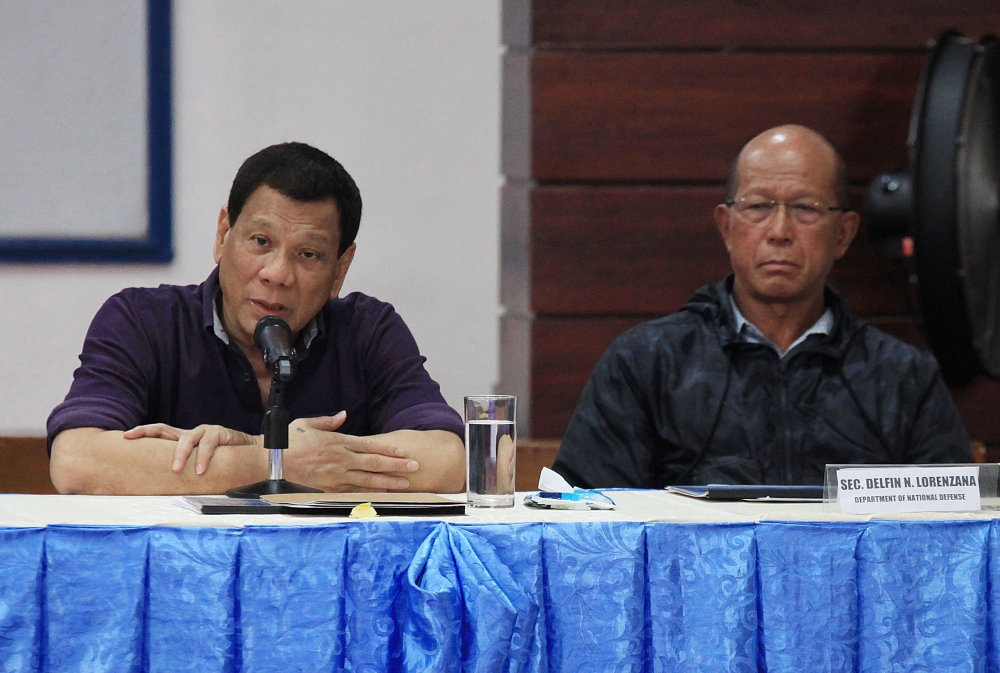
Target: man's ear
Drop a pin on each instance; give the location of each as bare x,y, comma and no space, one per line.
721,215
221,233
846,232
343,264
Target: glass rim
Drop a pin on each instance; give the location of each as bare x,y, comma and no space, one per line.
490,397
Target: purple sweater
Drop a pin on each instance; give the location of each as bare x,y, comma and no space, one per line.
152,356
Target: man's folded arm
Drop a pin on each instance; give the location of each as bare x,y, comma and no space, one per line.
104,462
430,433
440,455
413,460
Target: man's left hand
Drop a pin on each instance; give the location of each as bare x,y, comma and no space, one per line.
321,457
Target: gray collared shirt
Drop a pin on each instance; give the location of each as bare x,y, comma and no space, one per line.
748,332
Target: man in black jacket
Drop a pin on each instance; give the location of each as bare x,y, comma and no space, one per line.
766,376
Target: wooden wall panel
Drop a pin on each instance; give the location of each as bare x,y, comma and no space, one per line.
902,327
24,465
644,250
622,250
769,24
681,117
978,403
564,353
532,456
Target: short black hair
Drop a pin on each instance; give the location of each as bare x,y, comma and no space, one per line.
841,179
303,173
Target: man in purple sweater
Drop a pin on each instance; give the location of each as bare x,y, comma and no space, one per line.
171,390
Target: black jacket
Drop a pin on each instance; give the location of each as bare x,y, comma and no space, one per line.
683,400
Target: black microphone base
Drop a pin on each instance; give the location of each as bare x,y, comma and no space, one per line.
269,487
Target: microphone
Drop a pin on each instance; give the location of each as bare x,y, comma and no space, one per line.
273,337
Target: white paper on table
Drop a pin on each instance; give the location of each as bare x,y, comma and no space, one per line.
550,480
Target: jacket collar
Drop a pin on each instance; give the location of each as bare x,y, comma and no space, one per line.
712,303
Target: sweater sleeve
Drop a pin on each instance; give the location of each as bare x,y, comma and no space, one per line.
610,440
937,434
111,387
401,394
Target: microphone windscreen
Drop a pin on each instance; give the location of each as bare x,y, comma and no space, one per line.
272,322
273,337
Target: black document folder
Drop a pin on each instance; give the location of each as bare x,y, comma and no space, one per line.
751,492
326,504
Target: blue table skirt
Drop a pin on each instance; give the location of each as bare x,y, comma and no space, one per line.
433,596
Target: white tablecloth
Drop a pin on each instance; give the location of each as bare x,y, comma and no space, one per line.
43,510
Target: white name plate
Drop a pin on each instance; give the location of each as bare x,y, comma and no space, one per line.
874,490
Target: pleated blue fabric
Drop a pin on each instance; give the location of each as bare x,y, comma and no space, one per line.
442,596
191,599
922,597
21,599
702,588
809,596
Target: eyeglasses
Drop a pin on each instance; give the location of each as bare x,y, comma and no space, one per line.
758,210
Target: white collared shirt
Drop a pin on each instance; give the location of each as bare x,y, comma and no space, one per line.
748,332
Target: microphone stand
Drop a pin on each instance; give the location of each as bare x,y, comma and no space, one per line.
275,431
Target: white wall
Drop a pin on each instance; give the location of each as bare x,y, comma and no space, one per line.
404,94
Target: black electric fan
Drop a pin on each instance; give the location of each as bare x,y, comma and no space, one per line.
944,212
